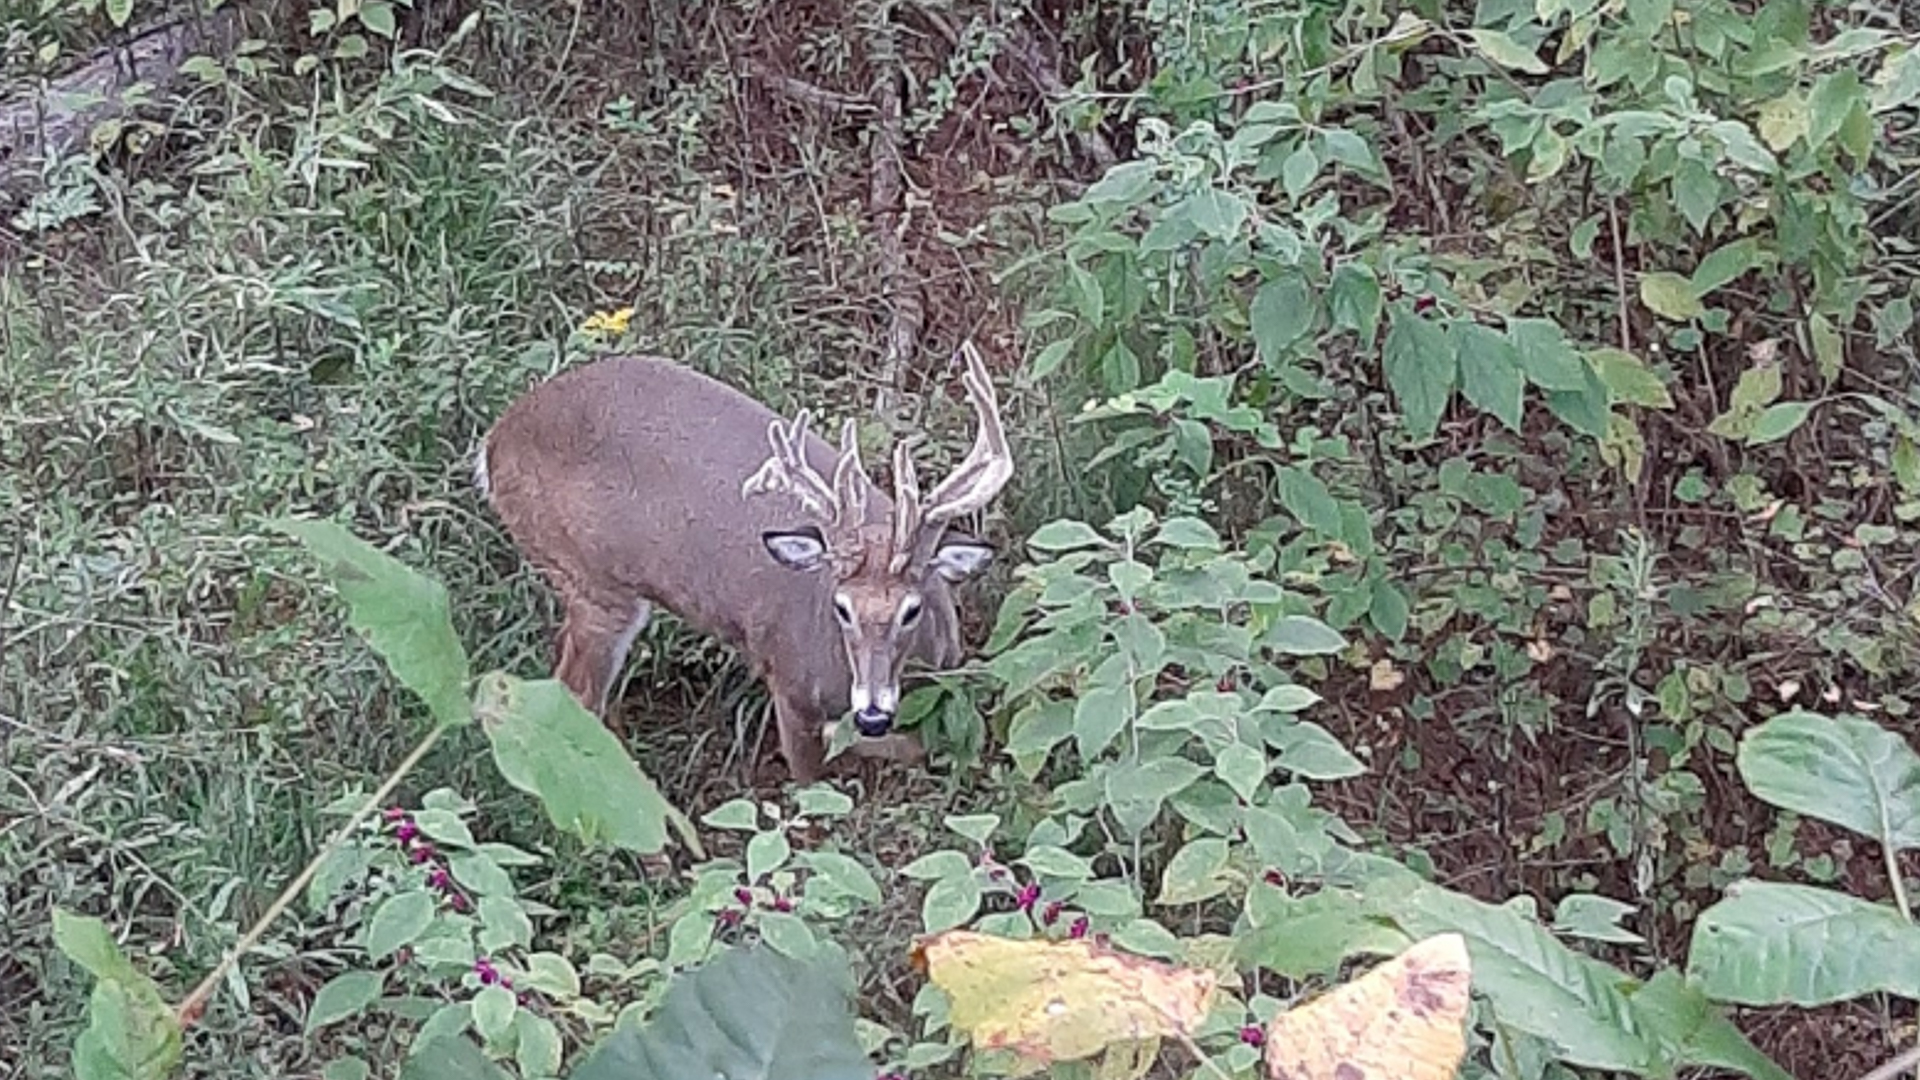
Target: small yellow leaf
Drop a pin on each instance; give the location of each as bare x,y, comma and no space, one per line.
1384,676
1053,1001
1405,1019
1783,120
1828,351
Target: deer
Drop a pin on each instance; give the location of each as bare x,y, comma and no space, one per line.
634,483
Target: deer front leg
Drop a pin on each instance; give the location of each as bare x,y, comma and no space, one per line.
593,643
800,739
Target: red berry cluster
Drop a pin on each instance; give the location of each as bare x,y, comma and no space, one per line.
1028,896
420,852
493,976
730,916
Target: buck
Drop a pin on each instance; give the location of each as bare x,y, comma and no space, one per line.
633,483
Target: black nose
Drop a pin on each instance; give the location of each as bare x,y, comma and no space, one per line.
873,722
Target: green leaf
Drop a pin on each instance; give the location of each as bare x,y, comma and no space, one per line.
1728,263
1629,379
1775,944
1490,374
493,1010
402,614
346,994
1309,501
1784,119
749,1014
537,1047
1281,312
1500,48
819,800
503,922
1217,213
1833,97
1064,535
1846,769
550,747
398,920
1421,367
1353,300
1389,610
1088,299
377,16
1696,192
1298,171
449,1057
1829,352
843,873
1100,715
119,11
1312,752
1549,361
735,815
1137,790
950,902
1196,872
1051,357
1350,150
131,1033
346,1068
1780,420
1303,635
1757,388
1670,296
767,852
1240,767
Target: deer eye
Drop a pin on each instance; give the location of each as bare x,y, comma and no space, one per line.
842,610
909,611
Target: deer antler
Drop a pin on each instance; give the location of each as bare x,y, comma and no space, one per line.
974,483
786,470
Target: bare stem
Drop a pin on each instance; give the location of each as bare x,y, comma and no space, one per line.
189,1009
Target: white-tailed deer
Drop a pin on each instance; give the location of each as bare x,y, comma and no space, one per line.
635,481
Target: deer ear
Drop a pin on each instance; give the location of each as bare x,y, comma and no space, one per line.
797,549
961,557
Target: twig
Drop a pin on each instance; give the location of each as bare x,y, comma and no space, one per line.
1893,1068
189,1008
1042,71
884,202
805,92
1620,277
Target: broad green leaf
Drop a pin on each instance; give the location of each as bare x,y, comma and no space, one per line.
1833,97
1500,48
1196,872
1696,192
1595,918
1086,294
1137,790
1726,264
842,872
493,1011
546,744
449,1057
1064,535
1101,714
119,11
1829,351
402,614
1549,360
346,1068
1240,767
1629,379
1298,171
736,815
1769,943
1490,374
1759,385
1670,296
1281,312
537,1047
1218,213
767,852
1188,532
1780,420
377,16
1312,752
346,994
950,902
398,920
1353,300
1309,501
1303,635
1421,367
1784,119
1312,935
131,1033
1844,769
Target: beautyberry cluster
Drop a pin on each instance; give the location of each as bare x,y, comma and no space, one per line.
730,916
421,852
1027,897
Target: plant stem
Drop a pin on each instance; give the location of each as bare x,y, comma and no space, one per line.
189,1009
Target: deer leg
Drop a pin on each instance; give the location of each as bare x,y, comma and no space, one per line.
594,641
800,741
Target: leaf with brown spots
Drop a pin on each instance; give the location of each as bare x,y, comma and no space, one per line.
1404,1020
1053,1001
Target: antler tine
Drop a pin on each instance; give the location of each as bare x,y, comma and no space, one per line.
906,501
786,470
988,465
850,482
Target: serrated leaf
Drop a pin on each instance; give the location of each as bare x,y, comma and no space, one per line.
1499,47
1421,367
1490,375
398,920
402,614
1629,379
547,745
1844,769
346,994
1670,296
1769,943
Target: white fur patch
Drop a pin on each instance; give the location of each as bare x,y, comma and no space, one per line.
480,478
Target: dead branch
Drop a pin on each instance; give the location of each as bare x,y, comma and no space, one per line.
886,203
805,92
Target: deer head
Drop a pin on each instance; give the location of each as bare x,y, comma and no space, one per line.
885,573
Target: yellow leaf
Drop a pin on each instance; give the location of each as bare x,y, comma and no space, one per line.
1623,447
1405,1019
1053,1001
1783,120
1383,676
1829,353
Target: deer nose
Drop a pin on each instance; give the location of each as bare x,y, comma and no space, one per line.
873,721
